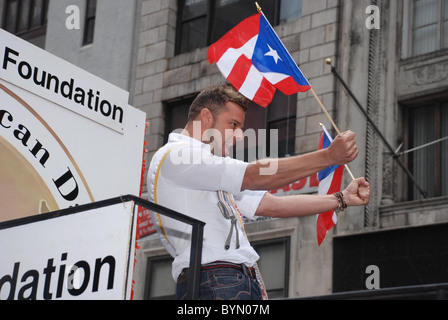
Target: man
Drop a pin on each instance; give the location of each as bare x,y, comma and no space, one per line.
190,175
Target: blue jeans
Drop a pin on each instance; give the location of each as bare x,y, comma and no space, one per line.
223,283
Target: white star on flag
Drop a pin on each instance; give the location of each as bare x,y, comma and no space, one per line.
274,54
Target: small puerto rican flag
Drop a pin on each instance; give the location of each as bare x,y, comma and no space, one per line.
254,60
330,181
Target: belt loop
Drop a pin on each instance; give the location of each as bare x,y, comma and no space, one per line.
250,272
246,270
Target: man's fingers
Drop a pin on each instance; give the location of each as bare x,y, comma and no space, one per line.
348,136
358,192
364,190
345,149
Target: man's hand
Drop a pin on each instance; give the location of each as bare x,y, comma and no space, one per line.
357,193
343,150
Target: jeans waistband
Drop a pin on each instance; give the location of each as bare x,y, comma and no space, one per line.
217,265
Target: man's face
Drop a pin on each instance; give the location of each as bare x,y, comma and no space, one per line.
227,129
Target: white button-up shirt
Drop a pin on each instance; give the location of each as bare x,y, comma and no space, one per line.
187,177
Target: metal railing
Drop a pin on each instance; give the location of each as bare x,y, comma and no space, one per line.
196,236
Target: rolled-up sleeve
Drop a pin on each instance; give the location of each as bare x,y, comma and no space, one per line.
249,201
194,167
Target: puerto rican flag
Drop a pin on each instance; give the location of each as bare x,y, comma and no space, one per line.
254,60
330,181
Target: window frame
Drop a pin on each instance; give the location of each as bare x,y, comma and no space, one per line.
437,104
408,29
289,116
148,276
170,108
210,14
30,32
287,242
89,22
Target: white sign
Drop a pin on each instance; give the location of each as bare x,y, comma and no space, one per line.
67,137
84,255
68,86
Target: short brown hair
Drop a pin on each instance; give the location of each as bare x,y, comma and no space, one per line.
215,99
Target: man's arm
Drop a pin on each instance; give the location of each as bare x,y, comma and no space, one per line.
289,170
357,194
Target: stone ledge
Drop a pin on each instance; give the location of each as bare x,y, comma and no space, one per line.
414,213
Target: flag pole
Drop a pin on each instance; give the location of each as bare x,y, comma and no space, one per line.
346,166
325,111
332,123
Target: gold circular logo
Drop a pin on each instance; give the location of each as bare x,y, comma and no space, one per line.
22,191
38,174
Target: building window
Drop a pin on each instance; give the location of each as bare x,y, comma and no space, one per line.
281,116
427,124
411,256
290,10
89,25
274,129
203,22
274,266
192,22
159,283
269,132
177,115
429,26
25,18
